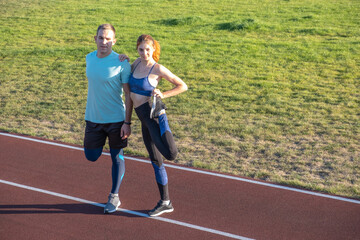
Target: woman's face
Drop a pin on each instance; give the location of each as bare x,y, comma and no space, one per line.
145,50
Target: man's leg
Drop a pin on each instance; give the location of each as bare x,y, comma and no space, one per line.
118,169
93,154
118,165
94,141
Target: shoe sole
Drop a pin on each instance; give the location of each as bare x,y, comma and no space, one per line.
106,211
159,213
153,107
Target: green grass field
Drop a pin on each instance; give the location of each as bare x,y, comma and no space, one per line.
274,86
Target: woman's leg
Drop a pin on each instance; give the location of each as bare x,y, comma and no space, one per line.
157,163
160,133
157,144
167,137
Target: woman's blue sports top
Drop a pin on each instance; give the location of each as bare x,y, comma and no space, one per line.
141,86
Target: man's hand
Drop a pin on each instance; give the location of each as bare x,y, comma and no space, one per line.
125,131
123,57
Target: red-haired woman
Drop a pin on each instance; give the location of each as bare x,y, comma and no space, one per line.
159,141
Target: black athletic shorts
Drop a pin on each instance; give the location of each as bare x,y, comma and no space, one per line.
96,133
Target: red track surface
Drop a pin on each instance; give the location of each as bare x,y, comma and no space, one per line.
239,208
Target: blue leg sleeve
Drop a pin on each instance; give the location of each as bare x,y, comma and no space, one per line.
118,168
164,124
160,174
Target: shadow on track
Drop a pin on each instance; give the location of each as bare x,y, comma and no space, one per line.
81,208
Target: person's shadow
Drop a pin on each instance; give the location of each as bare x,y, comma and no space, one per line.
81,208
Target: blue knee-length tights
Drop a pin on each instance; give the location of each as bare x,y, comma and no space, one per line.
118,164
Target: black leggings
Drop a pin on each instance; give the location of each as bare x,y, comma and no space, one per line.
159,142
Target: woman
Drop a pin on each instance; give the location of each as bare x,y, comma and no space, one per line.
145,76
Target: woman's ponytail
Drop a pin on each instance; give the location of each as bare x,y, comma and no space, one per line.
156,53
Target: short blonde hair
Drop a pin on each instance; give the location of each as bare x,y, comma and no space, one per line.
106,26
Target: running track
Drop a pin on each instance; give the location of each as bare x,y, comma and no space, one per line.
49,191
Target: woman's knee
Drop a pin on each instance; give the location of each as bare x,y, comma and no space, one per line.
172,154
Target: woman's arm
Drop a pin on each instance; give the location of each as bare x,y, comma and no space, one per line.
180,85
123,57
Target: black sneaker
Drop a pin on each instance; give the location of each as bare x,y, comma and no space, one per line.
157,108
161,208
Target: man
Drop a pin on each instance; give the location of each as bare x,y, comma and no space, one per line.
105,115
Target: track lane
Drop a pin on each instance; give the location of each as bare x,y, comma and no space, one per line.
240,208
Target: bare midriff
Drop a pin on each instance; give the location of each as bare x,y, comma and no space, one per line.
138,99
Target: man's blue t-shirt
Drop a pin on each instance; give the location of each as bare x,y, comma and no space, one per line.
105,78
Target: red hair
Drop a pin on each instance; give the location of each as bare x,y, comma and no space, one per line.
154,43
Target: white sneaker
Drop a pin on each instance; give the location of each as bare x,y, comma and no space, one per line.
113,203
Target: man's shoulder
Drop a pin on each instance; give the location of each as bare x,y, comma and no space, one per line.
114,56
91,55
124,64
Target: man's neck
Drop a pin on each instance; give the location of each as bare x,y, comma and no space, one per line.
100,55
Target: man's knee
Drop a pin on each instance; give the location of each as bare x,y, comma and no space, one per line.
92,154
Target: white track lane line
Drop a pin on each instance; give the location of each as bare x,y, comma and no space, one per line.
199,171
183,224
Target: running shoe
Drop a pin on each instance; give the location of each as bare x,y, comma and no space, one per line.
113,204
157,108
161,208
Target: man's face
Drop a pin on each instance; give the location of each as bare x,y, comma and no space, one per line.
105,39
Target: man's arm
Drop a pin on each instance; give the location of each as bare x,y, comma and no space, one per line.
126,129
124,76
